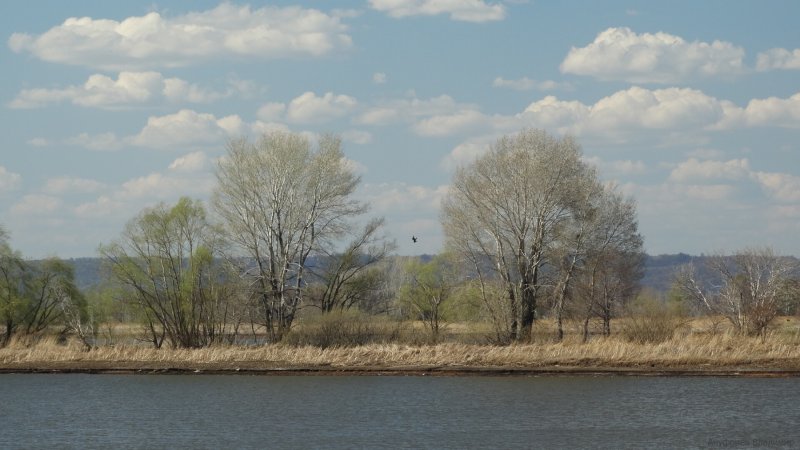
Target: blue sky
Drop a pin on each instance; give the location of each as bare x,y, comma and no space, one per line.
692,108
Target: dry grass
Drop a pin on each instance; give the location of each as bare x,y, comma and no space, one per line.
692,351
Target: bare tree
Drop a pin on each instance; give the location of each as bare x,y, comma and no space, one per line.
281,200
353,276
749,288
508,207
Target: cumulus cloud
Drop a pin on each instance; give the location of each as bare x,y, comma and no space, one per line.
445,125
772,111
154,40
271,111
399,198
410,109
38,142
694,169
783,187
35,204
72,185
192,162
160,186
8,180
357,137
780,187
310,108
621,54
610,169
466,152
527,84
464,10
186,128
129,89
778,58
100,142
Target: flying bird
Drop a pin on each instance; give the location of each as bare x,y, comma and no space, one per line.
414,239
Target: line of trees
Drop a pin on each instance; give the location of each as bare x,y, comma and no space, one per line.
530,230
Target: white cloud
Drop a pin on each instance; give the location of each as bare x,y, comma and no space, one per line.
99,142
154,40
407,110
259,127
103,207
466,152
621,54
357,137
444,125
403,197
706,192
694,169
160,187
676,115
8,180
772,111
35,204
38,142
462,10
610,169
186,128
129,89
192,162
379,78
657,109
309,108
778,58
355,166
66,185
783,187
271,111
527,84
177,90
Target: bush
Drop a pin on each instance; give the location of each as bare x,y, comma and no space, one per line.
651,320
344,329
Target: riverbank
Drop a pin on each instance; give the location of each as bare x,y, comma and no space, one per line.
689,355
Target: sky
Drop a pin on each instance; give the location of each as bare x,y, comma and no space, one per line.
692,108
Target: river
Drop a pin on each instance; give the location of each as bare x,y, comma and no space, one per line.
237,411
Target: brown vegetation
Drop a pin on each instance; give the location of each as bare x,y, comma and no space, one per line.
699,348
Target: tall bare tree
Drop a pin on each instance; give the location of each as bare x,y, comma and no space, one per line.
280,200
508,207
749,288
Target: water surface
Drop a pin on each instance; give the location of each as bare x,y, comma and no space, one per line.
225,411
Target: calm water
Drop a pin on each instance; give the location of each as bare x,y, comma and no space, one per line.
198,411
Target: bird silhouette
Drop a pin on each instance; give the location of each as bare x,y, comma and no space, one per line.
414,239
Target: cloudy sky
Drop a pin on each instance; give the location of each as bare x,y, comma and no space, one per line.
693,108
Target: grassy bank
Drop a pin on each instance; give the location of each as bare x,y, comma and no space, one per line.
694,353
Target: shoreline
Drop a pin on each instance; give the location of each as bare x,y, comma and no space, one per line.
110,368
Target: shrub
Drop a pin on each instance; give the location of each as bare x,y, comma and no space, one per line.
652,320
344,329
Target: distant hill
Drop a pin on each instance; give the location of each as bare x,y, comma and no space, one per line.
658,274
